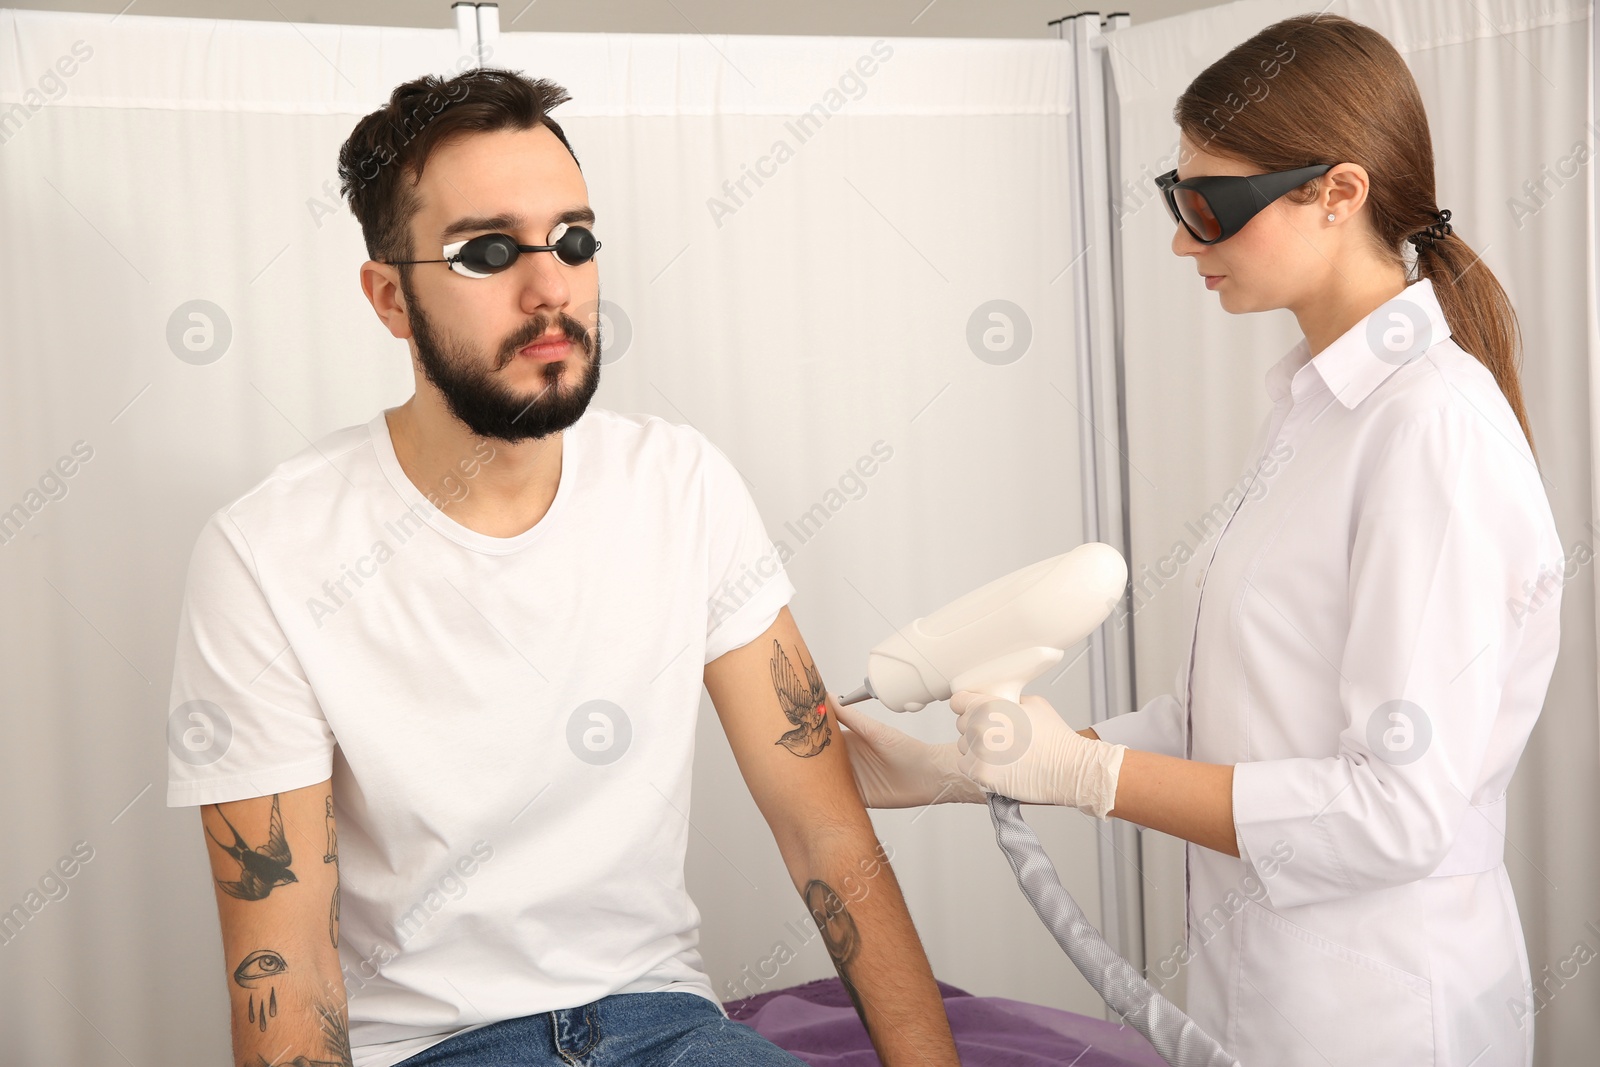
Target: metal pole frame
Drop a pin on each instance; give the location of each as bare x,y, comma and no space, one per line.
1094,146
477,26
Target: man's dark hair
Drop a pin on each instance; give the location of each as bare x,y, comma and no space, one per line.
381,162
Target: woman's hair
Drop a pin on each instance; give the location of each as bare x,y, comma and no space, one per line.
382,161
1324,89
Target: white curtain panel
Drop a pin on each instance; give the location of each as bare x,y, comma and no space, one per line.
1506,85
841,259
830,247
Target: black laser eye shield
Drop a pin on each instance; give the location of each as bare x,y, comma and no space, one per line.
1215,207
491,253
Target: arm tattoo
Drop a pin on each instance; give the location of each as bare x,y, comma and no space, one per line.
839,933
804,702
335,1036
254,969
332,856
261,870
335,1031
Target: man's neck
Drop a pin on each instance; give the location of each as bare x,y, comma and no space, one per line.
485,484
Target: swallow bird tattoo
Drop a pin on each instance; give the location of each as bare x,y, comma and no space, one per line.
804,702
261,870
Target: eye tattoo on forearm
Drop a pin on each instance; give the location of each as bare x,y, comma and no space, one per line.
839,934
804,702
261,870
255,968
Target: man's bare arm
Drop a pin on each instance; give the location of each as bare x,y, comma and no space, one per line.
275,869
779,720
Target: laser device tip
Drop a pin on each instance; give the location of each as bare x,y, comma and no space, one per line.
860,694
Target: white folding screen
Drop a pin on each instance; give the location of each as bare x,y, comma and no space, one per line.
1507,86
889,283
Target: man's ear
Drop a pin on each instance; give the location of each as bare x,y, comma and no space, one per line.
381,284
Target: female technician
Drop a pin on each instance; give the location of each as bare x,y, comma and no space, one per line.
1374,626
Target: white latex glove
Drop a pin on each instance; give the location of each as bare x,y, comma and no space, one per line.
895,770
1026,752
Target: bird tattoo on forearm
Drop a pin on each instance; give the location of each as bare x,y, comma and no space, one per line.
804,701
261,870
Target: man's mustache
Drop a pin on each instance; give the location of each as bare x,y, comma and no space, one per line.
574,331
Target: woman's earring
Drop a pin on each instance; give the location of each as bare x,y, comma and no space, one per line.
1330,216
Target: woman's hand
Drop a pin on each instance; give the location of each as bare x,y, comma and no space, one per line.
1027,752
895,770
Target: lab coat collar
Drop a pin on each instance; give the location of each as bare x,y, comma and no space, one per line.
1354,365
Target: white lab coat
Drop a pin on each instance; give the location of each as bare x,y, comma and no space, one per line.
1374,631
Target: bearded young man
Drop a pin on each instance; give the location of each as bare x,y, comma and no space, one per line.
459,651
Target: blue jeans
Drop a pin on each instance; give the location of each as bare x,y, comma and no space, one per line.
655,1029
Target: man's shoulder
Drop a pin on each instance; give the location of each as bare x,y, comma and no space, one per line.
645,438
301,486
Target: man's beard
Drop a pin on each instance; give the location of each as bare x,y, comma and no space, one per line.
484,404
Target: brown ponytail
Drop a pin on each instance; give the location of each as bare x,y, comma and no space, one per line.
1482,320
1326,89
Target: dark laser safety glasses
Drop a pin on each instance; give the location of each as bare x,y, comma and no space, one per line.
492,253
1215,207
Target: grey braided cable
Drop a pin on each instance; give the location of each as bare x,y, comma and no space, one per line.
1175,1036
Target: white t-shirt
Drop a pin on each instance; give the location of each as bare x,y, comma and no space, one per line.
509,722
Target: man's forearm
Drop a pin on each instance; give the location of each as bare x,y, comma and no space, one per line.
307,1027
778,715
276,872
853,896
